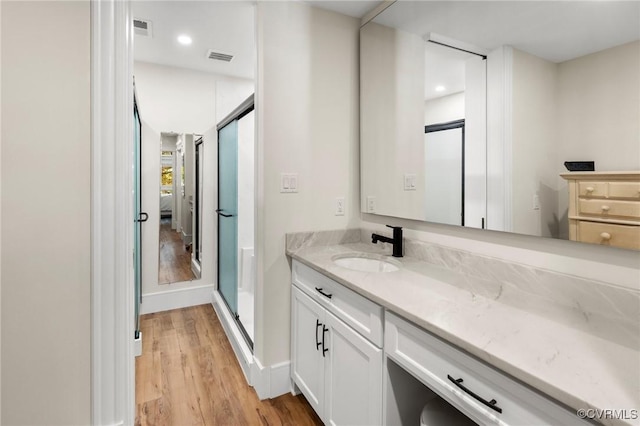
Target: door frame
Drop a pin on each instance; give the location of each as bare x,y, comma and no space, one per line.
112,277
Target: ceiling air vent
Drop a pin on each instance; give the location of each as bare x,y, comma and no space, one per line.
219,56
143,27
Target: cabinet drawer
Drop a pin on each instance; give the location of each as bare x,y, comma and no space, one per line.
610,208
438,364
630,190
592,189
358,312
625,236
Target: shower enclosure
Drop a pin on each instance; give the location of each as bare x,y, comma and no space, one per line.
236,215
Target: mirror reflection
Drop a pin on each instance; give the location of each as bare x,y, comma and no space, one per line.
177,191
530,86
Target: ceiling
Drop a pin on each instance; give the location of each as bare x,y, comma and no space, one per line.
444,67
224,26
357,8
553,30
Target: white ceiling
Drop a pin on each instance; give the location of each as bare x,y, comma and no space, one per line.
225,26
355,8
553,30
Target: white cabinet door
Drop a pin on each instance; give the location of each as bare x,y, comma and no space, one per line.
353,370
307,318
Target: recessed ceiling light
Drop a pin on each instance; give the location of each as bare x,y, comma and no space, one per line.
184,39
440,88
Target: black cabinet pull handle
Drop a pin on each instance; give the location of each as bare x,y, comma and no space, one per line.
491,404
142,217
219,211
318,324
324,350
327,295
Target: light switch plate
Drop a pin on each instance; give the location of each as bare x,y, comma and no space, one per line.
410,182
288,182
340,206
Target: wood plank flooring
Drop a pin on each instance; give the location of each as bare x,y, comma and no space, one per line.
175,260
188,375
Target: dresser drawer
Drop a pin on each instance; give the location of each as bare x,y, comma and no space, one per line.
360,313
610,208
629,190
624,236
440,366
592,189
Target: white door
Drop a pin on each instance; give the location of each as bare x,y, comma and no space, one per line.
353,394
306,345
443,176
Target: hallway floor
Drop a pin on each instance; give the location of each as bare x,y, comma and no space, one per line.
188,375
175,260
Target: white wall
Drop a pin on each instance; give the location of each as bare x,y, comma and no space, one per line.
583,109
599,98
392,119
184,101
535,145
46,212
307,106
444,109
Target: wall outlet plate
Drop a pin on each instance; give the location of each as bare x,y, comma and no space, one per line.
371,204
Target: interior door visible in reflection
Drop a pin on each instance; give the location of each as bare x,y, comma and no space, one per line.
444,173
228,214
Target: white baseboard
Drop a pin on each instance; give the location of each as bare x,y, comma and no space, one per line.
280,379
273,381
186,238
175,299
240,348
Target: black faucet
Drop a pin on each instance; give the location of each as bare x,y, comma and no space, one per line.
396,240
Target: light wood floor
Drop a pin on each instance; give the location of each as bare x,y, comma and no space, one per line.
188,375
175,259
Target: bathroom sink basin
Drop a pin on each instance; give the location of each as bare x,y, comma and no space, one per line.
365,262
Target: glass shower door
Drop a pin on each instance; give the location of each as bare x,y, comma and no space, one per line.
228,215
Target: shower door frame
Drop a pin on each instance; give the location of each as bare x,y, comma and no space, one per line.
242,110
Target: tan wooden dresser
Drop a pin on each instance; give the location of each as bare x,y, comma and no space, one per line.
604,208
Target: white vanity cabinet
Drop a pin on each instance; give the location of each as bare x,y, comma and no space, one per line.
337,369
482,393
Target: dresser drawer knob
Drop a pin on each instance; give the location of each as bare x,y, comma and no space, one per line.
590,188
605,208
605,236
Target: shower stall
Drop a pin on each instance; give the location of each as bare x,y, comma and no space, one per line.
236,265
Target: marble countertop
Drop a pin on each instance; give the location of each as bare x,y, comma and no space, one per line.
557,356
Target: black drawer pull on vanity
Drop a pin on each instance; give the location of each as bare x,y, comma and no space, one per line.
324,350
318,324
319,290
491,404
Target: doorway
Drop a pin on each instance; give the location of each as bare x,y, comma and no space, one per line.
444,172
